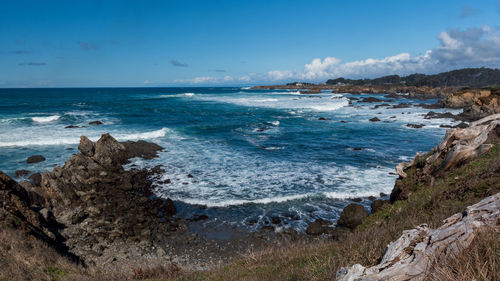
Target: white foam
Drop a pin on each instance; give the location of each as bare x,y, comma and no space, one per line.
246,88
236,202
45,119
189,94
275,123
146,135
74,138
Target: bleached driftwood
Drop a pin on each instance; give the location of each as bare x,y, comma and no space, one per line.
403,165
411,256
459,145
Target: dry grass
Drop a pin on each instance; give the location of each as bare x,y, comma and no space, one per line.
449,194
22,258
480,261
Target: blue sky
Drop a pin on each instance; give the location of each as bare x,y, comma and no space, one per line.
185,43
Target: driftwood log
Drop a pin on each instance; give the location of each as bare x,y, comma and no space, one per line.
412,256
458,146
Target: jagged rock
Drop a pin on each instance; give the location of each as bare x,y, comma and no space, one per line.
35,159
352,215
412,256
415,126
36,178
86,146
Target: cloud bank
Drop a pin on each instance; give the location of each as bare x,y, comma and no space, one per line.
473,47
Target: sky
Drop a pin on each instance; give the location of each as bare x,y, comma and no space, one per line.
235,43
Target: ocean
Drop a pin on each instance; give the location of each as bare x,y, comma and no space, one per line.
243,157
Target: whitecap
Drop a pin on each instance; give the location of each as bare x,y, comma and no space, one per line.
45,119
75,139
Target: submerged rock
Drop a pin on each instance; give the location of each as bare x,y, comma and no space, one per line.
35,159
95,123
374,119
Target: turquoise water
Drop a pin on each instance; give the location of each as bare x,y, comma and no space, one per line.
254,154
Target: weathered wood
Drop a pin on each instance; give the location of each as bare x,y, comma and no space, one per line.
412,256
458,146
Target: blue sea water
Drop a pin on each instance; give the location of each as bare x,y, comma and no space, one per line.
253,154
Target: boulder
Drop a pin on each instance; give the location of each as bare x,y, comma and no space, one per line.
95,123
415,126
374,119
35,159
318,227
352,216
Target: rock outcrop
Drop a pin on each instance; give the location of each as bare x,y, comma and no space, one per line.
106,213
412,256
352,215
476,103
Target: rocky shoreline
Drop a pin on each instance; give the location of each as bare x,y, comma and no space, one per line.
99,214
476,103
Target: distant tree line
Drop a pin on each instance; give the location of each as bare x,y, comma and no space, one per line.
467,77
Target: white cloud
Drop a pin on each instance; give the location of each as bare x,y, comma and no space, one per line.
473,47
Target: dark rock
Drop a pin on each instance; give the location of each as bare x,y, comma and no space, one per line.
374,119
252,222
36,178
393,117
190,176
275,220
86,146
380,105
357,199
357,148
199,218
267,228
339,233
21,173
318,227
352,216
378,204
35,159
352,98
71,127
322,118
343,121
400,191
401,105
370,99
95,123
416,126
383,194
142,149
372,198
462,125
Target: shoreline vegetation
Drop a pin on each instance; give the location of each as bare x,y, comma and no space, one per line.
93,220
